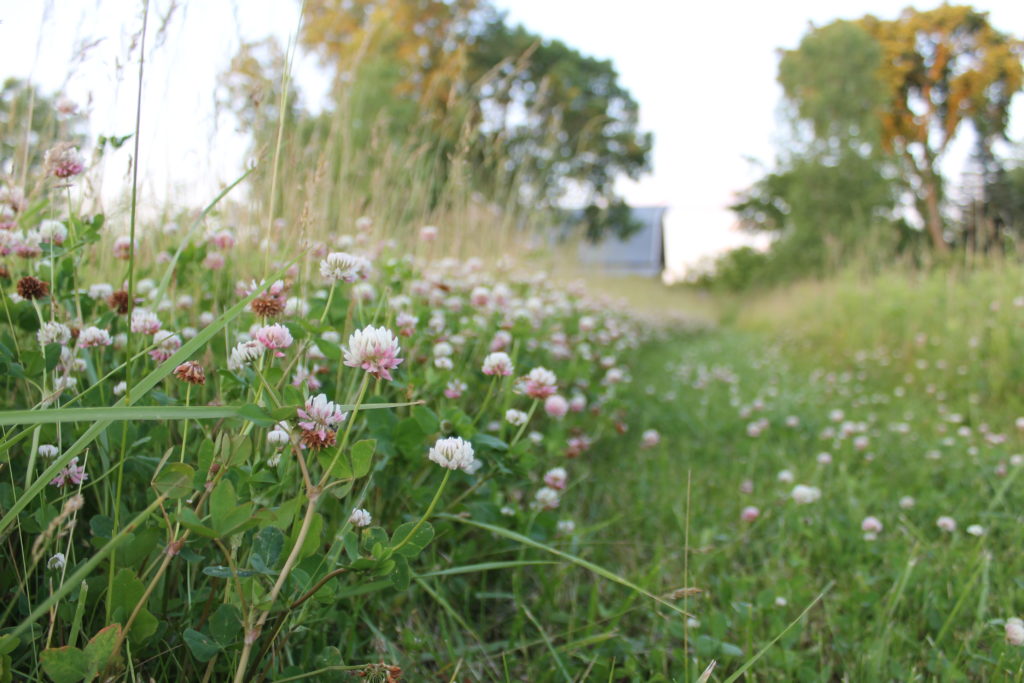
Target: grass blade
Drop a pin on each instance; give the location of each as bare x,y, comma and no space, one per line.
579,561
148,413
750,662
486,566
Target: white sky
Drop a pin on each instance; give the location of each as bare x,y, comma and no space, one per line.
704,75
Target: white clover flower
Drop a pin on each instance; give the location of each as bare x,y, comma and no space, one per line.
516,417
443,363
650,438
52,231
360,518
442,349
48,450
94,336
344,267
453,453
279,435
100,290
547,498
294,306
120,388
947,524
243,354
907,502
364,292
56,562
497,363
539,383
53,333
556,478
871,526
785,477
144,321
374,349
565,526
976,530
1015,631
805,494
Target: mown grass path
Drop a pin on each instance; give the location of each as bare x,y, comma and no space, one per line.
742,423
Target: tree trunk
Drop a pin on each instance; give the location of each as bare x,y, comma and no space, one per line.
933,218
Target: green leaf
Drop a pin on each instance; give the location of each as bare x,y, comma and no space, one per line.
374,536
101,648
226,517
222,572
8,643
101,526
409,437
483,441
415,543
51,356
256,415
312,542
351,543
362,456
127,593
175,480
65,664
400,575
267,545
226,625
354,464
190,520
330,351
202,646
426,418
222,504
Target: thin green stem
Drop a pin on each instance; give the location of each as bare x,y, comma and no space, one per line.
426,515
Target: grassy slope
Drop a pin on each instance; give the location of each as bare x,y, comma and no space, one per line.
915,603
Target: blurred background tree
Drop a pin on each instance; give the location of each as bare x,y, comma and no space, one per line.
516,118
872,107
942,68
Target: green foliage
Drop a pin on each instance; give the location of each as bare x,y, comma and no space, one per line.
69,664
533,118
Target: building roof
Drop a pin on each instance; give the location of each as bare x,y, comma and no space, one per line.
641,253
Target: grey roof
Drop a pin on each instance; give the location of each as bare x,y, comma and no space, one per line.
641,253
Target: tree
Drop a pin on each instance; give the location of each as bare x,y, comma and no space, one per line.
564,120
534,119
832,192
941,68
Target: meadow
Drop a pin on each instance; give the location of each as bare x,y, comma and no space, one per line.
352,421
384,462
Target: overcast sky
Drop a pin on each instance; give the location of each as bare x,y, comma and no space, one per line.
703,73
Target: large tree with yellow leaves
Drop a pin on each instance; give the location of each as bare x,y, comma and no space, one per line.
942,68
